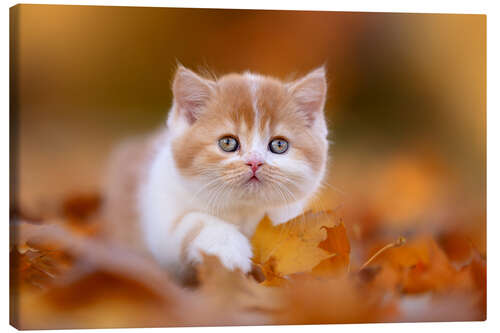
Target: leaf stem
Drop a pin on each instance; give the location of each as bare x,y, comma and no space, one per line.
399,242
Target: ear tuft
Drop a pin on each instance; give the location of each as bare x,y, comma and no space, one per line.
191,93
309,93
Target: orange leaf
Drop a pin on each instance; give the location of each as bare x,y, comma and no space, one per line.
294,245
336,242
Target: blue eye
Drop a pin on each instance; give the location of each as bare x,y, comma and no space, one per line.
278,146
228,144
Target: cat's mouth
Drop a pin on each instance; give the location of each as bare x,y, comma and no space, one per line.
253,179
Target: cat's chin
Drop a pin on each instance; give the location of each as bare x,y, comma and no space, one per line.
256,194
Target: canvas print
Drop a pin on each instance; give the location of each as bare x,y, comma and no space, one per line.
208,167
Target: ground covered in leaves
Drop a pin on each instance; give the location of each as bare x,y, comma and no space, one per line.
348,264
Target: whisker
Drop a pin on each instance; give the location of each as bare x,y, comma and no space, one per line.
325,183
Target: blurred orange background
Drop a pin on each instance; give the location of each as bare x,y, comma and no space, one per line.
406,104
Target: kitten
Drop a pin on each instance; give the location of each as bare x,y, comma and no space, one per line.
235,149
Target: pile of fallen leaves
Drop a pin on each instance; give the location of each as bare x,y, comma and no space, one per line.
314,269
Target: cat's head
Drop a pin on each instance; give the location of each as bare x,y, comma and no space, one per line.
249,139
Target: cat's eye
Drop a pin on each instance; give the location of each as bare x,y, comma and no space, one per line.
228,144
278,146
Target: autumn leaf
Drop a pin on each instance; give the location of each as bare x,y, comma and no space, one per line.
420,266
337,243
272,277
293,245
311,300
457,246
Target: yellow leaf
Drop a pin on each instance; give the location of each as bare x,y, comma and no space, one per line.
293,245
273,278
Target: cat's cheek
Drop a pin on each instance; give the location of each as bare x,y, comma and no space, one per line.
294,165
285,162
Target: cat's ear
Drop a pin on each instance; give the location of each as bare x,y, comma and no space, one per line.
309,93
191,93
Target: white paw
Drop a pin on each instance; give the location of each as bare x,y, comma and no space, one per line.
224,241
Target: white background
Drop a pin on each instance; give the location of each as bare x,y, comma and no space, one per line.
420,6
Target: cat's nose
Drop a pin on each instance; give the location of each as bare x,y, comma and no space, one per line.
254,164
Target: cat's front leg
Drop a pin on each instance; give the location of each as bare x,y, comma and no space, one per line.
210,235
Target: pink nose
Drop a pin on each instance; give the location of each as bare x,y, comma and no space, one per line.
254,165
